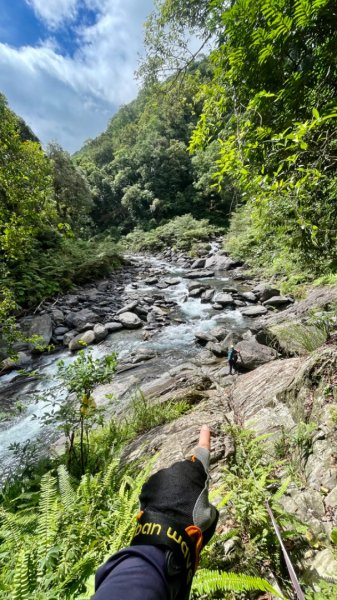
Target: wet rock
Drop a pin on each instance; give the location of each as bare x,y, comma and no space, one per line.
151,280
240,303
217,306
80,318
128,307
80,341
203,337
223,299
254,311
254,354
112,326
196,292
130,320
85,327
22,360
100,332
198,274
199,263
71,300
173,280
207,296
277,301
41,326
143,354
228,289
194,285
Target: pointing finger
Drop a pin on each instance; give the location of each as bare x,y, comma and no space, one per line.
205,438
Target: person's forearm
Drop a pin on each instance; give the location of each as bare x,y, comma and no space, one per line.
136,573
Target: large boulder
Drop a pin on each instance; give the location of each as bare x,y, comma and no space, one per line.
207,296
219,262
42,327
254,311
199,263
82,340
254,354
223,299
113,326
22,360
204,336
57,316
129,320
278,301
128,307
249,296
81,318
198,274
264,292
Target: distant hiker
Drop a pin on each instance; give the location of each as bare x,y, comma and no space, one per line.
233,357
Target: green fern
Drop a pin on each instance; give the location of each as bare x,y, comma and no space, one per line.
68,495
21,589
209,582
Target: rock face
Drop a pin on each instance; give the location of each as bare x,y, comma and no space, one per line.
42,326
254,354
129,320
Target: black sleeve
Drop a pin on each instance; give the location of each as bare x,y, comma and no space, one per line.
133,574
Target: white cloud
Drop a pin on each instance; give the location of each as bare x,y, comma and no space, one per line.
69,99
54,12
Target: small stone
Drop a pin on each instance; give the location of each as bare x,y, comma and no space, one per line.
112,326
128,307
129,320
100,332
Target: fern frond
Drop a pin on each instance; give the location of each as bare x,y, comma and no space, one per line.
48,514
68,495
208,582
282,490
21,589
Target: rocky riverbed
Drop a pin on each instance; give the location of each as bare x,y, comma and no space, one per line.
171,320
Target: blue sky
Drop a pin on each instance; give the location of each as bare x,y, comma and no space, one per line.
67,65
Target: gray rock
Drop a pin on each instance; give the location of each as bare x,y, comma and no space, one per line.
223,299
100,332
80,318
216,348
217,306
249,296
128,307
254,311
264,292
331,499
71,300
69,336
207,296
143,354
199,263
80,341
41,326
219,333
129,320
219,262
85,327
228,289
151,280
173,280
60,330
254,354
196,292
240,303
22,360
198,274
203,337
112,326
323,567
277,301
194,285
57,316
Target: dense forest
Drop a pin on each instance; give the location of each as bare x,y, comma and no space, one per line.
238,137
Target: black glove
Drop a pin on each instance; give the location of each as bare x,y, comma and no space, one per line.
176,514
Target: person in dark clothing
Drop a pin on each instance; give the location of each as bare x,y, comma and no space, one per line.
233,357
175,522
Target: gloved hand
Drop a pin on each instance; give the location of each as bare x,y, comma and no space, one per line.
176,513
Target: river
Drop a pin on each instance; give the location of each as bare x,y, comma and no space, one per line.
172,344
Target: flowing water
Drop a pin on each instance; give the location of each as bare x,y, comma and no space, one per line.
173,344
